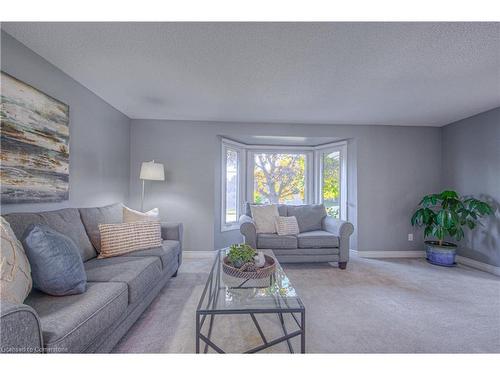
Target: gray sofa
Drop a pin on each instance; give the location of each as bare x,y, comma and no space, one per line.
119,289
321,239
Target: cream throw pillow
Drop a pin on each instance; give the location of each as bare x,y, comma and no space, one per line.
287,225
263,216
15,270
131,216
119,239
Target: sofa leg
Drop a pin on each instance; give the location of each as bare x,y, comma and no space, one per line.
342,265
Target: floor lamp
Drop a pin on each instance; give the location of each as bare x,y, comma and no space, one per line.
153,172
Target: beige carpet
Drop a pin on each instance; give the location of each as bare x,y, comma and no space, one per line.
375,306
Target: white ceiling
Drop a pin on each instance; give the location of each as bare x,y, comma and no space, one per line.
427,74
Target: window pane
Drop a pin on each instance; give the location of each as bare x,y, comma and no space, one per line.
331,183
231,186
279,178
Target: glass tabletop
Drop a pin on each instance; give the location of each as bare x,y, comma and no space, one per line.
225,294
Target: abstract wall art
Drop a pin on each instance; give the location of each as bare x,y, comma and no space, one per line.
34,147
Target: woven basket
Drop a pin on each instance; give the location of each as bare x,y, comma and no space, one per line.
266,271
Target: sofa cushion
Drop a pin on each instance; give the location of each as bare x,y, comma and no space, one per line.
286,225
273,241
56,266
263,217
130,215
168,251
15,269
309,216
307,251
71,323
65,221
139,273
124,238
317,239
282,209
93,216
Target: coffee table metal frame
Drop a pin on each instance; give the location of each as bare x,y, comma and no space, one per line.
213,288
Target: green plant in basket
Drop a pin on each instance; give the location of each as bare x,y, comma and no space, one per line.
239,254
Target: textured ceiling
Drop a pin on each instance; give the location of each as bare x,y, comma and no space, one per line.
427,74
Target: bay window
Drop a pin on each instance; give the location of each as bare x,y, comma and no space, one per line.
284,175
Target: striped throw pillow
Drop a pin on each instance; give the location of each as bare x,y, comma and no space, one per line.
286,225
119,239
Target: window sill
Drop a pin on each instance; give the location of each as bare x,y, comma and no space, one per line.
227,228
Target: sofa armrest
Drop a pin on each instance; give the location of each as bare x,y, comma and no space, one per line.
172,231
343,230
20,329
339,228
248,230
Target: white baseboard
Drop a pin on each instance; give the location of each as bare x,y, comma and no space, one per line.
197,254
495,270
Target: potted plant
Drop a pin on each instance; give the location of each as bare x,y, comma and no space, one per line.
239,254
444,215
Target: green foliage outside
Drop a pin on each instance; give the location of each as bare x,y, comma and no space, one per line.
331,177
331,183
445,214
280,178
333,211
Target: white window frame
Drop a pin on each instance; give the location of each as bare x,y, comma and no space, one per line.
226,145
313,175
340,147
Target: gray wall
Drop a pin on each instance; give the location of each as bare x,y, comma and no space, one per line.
390,168
471,165
99,134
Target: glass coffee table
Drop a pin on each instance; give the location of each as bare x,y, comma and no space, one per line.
227,295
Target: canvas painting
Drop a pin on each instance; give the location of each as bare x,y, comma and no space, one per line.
34,154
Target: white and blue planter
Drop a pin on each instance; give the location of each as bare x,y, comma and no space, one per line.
441,255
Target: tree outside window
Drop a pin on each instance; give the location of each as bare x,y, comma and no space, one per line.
331,183
279,178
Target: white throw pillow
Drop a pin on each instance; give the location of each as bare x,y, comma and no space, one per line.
286,225
263,216
131,216
15,270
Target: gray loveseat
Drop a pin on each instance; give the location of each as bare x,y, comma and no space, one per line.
321,239
119,289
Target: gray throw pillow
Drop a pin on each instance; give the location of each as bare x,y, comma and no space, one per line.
309,216
56,266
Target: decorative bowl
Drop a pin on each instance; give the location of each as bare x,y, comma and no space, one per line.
259,273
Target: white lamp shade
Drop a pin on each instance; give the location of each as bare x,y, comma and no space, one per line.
152,171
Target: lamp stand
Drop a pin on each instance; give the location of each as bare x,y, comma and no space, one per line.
142,197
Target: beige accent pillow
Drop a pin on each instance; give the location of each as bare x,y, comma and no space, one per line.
286,225
131,216
263,216
119,239
15,270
